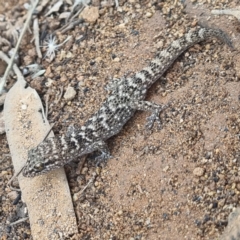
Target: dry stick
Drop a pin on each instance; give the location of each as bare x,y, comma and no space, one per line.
86,186
60,94
80,166
9,183
69,18
30,13
116,3
5,58
47,134
36,37
5,156
76,14
19,221
47,105
68,26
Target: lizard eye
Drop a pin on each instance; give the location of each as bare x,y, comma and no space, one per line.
39,166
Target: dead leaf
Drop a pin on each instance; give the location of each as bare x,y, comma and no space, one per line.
42,5
64,15
68,2
3,26
4,42
55,8
12,33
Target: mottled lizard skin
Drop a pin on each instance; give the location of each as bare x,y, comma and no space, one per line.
126,96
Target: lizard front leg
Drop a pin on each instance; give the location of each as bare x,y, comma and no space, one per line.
152,107
99,146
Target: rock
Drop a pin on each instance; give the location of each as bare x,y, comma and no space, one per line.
116,59
90,14
37,83
148,14
32,52
166,168
70,93
198,171
48,71
13,195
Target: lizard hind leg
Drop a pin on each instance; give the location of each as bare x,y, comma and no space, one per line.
105,155
152,107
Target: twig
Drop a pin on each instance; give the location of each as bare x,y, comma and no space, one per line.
36,37
47,105
30,13
87,185
9,183
19,221
5,58
116,3
5,156
6,168
83,3
47,134
81,164
60,94
76,14
69,26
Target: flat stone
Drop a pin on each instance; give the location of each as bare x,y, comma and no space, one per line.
47,197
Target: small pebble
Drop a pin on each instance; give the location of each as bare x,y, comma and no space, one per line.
166,169
90,14
116,59
198,171
70,93
148,14
13,195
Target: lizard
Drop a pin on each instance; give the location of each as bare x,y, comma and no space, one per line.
126,96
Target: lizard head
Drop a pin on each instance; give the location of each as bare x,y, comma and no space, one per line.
41,159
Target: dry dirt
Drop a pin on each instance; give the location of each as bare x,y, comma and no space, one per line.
181,182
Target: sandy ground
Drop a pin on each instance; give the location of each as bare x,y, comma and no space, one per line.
180,182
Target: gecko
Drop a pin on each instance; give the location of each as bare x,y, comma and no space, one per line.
126,96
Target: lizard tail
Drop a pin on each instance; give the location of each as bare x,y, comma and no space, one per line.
165,58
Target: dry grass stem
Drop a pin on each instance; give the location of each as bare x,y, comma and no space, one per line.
26,24
36,37
5,58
